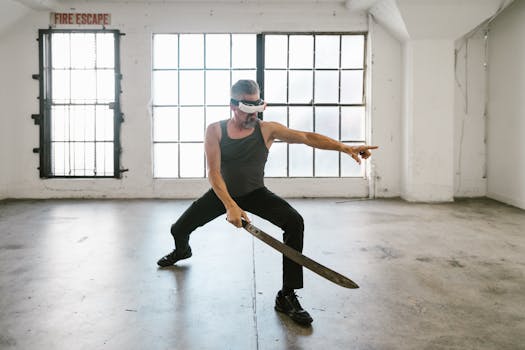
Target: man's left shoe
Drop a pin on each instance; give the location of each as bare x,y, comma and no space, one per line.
173,257
288,304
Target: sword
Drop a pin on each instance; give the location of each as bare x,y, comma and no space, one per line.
299,258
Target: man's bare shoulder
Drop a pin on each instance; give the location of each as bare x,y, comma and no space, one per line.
213,130
269,125
215,125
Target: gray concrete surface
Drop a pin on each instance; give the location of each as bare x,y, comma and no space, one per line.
82,274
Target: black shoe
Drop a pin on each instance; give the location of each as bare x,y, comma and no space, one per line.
173,257
289,305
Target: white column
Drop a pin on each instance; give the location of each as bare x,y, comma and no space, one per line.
428,120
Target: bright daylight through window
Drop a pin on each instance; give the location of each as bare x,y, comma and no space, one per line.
80,106
312,82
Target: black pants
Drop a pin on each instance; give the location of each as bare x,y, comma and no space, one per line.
261,202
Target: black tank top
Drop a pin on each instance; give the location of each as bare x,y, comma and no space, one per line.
243,161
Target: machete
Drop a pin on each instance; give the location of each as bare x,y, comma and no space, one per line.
299,258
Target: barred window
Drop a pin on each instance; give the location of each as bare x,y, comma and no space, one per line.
79,103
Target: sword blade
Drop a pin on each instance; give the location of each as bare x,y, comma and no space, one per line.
299,258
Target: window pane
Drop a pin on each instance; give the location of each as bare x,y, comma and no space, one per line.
349,167
217,51
301,83
326,87
104,162
61,45
326,163
82,50
192,160
218,87
83,159
60,156
301,160
191,87
191,124
165,51
275,114
191,51
327,51
105,50
301,118
165,126
275,86
244,51
214,114
104,126
353,123
60,123
352,53
61,86
105,86
82,123
301,51
165,160
352,87
90,158
276,164
276,51
165,88
83,86
243,74
327,121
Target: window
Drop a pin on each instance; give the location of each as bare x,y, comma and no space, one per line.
79,103
192,76
315,82
312,82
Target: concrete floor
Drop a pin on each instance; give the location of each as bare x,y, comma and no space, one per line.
82,274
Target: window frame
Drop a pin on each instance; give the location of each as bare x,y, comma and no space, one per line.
45,103
260,77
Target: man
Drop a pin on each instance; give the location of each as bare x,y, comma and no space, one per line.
236,153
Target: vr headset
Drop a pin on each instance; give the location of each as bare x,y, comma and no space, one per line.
249,106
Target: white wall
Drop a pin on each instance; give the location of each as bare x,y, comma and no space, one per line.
11,12
138,22
4,122
506,118
428,113
385,109
470,165
19,100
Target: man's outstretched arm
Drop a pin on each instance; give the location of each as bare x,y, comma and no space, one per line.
278,131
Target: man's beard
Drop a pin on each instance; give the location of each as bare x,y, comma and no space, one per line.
250,123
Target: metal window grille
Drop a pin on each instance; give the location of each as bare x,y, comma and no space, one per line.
80,112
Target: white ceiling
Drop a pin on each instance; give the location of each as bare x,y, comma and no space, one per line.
403,18
358,5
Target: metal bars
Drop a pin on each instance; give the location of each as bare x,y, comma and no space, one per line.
79,75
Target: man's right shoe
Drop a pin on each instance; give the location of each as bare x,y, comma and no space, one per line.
288,304
173,257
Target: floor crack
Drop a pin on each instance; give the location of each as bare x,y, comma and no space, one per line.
254,297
